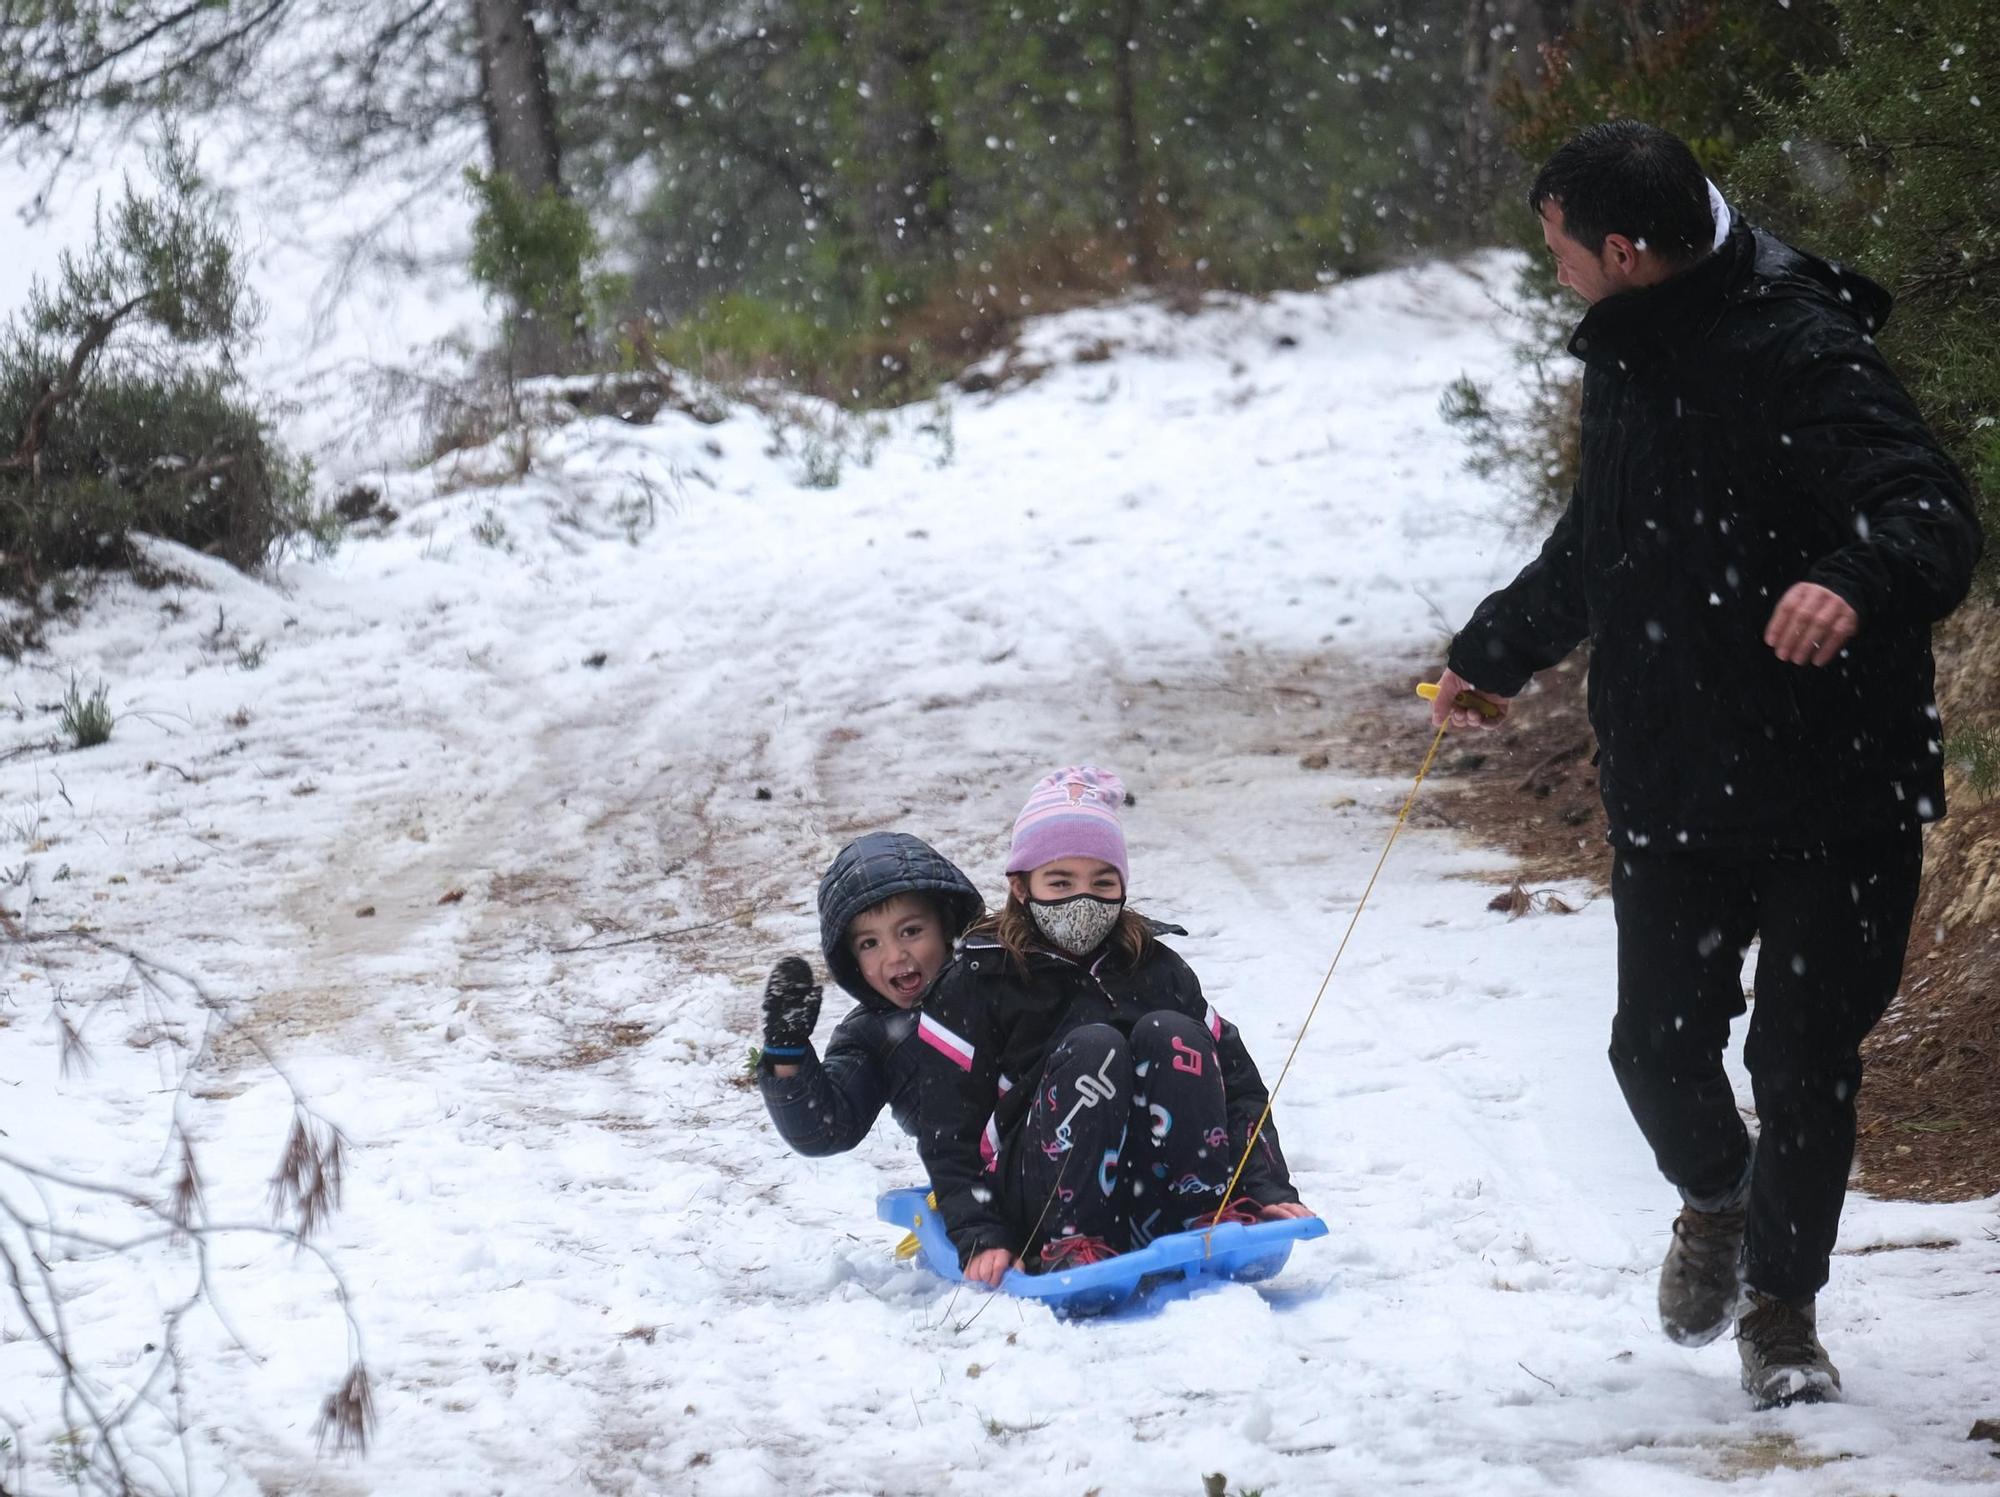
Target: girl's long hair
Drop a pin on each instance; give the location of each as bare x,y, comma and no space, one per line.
1014,928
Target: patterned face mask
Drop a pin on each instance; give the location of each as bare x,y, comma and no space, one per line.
1077,924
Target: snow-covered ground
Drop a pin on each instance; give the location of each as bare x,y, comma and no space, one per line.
653,688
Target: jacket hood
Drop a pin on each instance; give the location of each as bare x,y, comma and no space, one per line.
880,866
1780,270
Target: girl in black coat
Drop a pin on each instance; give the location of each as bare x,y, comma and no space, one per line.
1079,1095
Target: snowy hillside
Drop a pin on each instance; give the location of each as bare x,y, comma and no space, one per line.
405,812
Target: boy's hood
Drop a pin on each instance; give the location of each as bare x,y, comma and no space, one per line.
880,866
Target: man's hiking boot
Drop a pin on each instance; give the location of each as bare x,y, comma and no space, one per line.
1783,1362
1060,1253
1700,1283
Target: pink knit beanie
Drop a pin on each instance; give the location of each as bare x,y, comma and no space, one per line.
1072,813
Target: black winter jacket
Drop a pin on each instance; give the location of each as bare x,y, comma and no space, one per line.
1740,434
987,1029
871,1061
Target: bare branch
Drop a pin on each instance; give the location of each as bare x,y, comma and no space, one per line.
53,1334
184,1204
134,43
119,1440
35,429
202,55
74,1053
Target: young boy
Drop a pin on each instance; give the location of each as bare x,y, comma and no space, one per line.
889,909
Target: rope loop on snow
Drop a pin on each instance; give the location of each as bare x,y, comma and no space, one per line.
1229,1192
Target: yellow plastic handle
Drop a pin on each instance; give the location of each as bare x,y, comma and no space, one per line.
911,1244
1429,692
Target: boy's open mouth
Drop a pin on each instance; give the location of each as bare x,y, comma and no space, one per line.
907,984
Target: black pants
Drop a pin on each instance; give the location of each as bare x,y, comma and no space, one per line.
1126,1139
1833,926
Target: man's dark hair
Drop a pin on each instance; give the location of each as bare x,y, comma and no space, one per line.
1624,177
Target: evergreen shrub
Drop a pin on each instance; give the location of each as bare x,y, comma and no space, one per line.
535,251
1889,160
120,406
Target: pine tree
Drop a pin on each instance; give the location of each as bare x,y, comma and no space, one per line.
1889,159
119,401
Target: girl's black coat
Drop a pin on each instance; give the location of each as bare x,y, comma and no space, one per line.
1011,1019
1740,434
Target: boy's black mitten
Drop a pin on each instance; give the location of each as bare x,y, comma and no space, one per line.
791,1009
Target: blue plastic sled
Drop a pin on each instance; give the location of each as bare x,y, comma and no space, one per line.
1168,1267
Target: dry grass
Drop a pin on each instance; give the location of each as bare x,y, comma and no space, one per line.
594,1044
1765,1454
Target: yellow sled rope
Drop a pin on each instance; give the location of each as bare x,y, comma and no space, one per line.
1428,691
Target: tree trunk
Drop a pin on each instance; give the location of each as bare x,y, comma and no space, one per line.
1137,212
910,189
520,113
1504,40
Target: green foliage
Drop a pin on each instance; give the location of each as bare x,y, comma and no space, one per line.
532,250
863,362
87,719
862,167
175,453
168,257
1890,160
491,531
820,459
942,429
738,336
1534,449
119,401
1695,67
1975,749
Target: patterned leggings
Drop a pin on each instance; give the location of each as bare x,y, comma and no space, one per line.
1127,1139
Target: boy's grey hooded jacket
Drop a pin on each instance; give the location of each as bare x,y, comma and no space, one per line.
871,1061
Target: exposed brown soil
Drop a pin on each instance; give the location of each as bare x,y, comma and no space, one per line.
1930,1109
1527,787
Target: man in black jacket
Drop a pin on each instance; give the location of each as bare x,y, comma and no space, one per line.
1762,534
